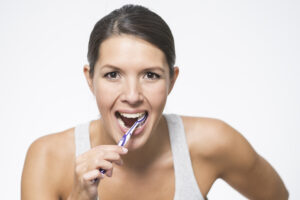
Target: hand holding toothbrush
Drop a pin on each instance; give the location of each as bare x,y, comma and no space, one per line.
87,176
87,168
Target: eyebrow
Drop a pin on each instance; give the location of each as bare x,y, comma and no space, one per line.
110,66
145,69
155,68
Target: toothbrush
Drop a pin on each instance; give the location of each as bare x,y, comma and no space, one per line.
127,135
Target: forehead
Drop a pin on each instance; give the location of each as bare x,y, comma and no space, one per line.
130,50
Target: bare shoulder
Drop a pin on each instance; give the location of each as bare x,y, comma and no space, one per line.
53,146
208,136
232,158
47,163
216,140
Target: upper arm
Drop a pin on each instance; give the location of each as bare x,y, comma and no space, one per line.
241,167
38,181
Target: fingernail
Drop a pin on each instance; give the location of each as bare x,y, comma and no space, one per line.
125,150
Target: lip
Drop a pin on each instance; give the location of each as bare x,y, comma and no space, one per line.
131,111
139,129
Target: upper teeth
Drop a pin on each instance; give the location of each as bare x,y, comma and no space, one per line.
134,115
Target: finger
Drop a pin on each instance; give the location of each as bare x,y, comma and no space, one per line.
109,172
92,175
112,157
119,162
114,148
103,164
80,168
100,151
97,163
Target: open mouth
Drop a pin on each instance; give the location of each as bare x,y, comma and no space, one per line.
126,120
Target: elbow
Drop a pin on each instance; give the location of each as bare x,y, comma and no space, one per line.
286,195
283,195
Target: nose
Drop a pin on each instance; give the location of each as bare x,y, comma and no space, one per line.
132,93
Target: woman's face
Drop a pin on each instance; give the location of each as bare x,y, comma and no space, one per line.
131,79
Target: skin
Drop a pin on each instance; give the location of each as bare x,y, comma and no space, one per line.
125,79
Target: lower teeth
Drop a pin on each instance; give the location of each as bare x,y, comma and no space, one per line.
122,123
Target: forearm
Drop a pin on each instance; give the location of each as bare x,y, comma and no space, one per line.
274,186
261,182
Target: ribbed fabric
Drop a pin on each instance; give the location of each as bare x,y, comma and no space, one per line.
186,186
185,183
82,138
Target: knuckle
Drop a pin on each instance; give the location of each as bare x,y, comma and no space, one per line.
78,160
101,153
77,169
117,156
109,165
84,178
98,161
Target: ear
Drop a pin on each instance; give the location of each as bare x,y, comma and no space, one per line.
174,78
86,71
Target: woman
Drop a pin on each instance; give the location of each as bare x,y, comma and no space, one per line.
131,72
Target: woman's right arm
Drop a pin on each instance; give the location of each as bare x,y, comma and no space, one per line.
47,165
38,177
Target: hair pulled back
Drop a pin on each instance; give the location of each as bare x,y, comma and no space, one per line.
137,21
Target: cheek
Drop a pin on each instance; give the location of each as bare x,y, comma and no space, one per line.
157,94
105,96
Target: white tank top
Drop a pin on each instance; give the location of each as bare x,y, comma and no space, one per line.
186,186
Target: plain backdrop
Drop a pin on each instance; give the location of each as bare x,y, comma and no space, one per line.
239,62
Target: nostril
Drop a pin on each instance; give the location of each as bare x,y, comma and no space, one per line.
132,99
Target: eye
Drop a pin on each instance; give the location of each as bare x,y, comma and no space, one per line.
152,76
112,75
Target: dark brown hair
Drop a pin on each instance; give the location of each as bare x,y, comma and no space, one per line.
132,20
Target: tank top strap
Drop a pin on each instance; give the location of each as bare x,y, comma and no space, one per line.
186,186
82,138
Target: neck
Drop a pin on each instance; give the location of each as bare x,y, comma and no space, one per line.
151,152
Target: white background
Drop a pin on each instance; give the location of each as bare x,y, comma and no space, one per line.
239,62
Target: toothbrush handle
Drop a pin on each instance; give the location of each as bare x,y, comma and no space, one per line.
103,171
